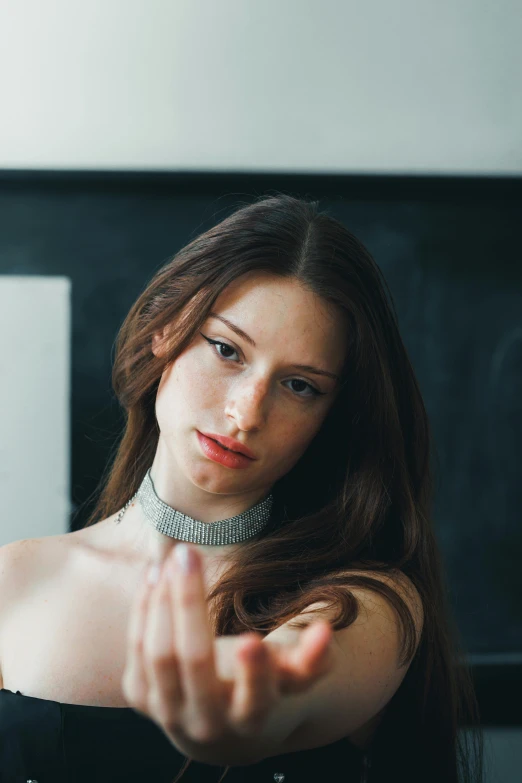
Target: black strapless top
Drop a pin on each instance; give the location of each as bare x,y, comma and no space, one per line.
44,741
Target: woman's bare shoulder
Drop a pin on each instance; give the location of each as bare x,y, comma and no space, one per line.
401,584
23,565
396,580
14,578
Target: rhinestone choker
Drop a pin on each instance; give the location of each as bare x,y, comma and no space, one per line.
184,528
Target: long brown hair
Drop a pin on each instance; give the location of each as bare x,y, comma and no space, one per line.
359,498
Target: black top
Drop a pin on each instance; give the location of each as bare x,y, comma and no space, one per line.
46,741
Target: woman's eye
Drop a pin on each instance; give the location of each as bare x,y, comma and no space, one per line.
225,345
218,343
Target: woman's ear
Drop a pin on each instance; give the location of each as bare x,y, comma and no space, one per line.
159,343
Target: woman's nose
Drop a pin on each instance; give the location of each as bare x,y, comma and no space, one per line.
248,404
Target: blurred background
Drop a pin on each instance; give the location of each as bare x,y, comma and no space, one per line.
127,127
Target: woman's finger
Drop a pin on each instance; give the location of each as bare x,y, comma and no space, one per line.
314,645
202,691
256,688
308,660
165,697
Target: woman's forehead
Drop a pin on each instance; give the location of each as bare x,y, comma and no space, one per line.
279,297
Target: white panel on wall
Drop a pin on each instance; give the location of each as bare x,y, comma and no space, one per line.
35,331
278,85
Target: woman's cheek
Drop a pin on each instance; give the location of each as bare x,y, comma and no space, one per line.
295,441
199,381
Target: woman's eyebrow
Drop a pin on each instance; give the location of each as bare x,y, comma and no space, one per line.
250,341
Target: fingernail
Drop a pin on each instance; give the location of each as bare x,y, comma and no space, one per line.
153,573
185,558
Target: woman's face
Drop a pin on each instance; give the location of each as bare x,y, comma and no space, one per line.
251,393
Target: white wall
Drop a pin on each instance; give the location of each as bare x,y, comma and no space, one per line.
35,336
411,86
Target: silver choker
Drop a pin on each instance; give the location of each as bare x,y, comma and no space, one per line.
184,528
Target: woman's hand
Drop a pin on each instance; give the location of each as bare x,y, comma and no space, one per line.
173,665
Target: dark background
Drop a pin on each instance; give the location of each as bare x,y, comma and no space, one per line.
449,248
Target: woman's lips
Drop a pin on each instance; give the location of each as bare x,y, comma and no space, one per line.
217,453
230,443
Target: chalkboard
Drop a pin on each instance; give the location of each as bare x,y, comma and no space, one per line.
450,250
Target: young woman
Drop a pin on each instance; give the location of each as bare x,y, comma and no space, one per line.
274,425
